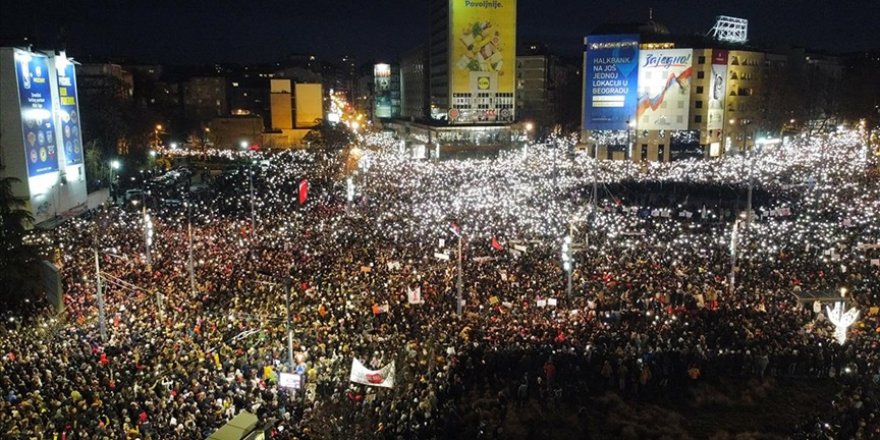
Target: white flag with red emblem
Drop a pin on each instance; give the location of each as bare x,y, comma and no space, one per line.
383,377
414,296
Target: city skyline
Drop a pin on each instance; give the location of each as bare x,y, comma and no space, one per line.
264,31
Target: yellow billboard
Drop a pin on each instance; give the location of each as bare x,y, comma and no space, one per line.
482,46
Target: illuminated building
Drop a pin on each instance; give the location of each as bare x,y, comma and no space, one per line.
42,135
649,95
472,57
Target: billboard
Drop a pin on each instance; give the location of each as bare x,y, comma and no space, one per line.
610,75
482,55
68,105
717,90
382,90
664,89
35,104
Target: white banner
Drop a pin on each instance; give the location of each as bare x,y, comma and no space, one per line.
414,296
288,380
440,256
383,377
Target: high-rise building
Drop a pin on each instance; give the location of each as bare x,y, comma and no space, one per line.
472,57
414,84
652,95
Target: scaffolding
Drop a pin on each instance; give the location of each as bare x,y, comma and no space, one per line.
730,29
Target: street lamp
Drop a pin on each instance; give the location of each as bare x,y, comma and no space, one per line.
243,145
631,124
567,262
114,168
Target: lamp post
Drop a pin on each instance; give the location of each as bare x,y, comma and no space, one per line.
99,294
460,282
114,169
567,263
192,276
631,127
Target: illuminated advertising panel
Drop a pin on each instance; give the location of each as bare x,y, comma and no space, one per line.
382,90
71,137
664,89
35,103
717,90
482,39
611,73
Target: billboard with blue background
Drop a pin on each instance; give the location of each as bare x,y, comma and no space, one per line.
35,102
71,139
610,81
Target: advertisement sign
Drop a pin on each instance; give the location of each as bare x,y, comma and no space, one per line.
482,39
664,89
382,90
35,103
717,90
71,139
610,75
290,380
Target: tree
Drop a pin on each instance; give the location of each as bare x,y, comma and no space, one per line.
19,261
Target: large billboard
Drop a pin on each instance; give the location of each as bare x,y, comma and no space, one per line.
71,138
664,89
382,90
35,104
610,76
717,90
482,55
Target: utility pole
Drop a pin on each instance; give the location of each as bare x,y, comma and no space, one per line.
192,276
287,287
148,235
733,256
102,319
460,282
567,263
253,209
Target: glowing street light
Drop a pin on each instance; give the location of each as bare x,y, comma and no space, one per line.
243,145
114,164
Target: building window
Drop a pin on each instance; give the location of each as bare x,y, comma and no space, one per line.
698,104
700,89
698,118
701,60
701,74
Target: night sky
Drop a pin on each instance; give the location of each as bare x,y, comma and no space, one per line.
204,31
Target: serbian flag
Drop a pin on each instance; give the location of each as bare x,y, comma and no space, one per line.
456,229
496,245
383,377
303,191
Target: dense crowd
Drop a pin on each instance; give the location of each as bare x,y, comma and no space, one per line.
653,304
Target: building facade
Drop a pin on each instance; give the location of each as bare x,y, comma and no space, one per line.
472,56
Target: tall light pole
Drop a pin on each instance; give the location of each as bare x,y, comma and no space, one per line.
567,263
192,276
253,209
349,191
148,235
114,168
102,319
460,281
734,250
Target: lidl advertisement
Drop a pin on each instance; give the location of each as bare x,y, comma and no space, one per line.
664,89
717,90
610,81
69,113
483,47
35,100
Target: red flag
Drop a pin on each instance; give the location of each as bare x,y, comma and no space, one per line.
496,245
303,191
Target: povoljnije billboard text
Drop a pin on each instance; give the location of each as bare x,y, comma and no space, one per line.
610,81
